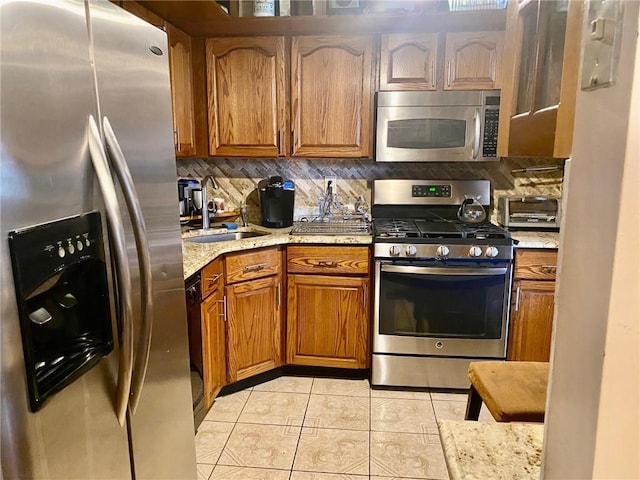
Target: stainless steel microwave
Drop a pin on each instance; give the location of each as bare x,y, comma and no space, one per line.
449,126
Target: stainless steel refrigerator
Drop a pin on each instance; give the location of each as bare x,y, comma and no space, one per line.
95,365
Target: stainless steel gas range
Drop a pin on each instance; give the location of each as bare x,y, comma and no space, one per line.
441,285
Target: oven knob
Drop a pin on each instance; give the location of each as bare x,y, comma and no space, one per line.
411,250
475,251
442,251
394,250
491,252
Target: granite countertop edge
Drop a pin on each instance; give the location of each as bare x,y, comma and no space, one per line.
197,255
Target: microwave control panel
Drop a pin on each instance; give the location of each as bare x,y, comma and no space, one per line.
490,137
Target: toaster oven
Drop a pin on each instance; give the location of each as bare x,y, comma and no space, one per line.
530,212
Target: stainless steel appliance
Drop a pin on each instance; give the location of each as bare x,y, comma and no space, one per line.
441,285
95,377
277,197
445,126
529,212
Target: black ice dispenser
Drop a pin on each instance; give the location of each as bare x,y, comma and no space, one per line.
62,294
276,202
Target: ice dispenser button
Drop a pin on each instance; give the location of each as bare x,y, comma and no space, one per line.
67,301
40,316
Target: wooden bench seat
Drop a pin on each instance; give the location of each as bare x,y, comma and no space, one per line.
512,391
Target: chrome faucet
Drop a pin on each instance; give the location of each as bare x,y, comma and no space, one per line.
243,215
205,199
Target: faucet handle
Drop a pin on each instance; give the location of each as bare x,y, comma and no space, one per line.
243,214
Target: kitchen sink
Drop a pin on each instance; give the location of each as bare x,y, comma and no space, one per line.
223,237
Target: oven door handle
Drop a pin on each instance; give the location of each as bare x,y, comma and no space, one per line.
443,271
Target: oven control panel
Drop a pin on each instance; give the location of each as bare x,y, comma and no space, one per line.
431,191
442,252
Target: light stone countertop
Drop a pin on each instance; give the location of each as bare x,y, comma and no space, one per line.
198,255
536,239
195,256
499,451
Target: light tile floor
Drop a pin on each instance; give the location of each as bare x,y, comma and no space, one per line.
301,428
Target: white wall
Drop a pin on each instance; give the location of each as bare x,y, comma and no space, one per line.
592,421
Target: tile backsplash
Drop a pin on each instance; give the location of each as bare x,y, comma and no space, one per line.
238,177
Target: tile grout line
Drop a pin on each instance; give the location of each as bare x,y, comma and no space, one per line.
304,416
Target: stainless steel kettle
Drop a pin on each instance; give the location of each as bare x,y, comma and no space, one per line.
471,210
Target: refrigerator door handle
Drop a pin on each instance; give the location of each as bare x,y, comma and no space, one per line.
116,233
119,163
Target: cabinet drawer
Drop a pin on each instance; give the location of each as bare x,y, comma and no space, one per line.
328,260
256,264
212,277
536,264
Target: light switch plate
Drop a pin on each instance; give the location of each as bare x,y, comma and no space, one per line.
601,41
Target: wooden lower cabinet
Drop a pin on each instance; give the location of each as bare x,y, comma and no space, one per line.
533,305
532,321
327,321
213,343
253,327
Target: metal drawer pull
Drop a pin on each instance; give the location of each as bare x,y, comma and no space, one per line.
517,306
327,263
214,279
364,296
224,307
255,267
548,267
278,288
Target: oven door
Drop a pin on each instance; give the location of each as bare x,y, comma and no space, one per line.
422,134
439,310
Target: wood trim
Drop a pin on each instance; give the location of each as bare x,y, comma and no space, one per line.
200,18
510,68
198,61
570,78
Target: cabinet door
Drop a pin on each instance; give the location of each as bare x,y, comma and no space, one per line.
181,91
542,56
213,345
473,60
327,321
408,61
531,321
331,100
253,327
247,96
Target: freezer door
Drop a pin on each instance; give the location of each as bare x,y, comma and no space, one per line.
131,59
47,96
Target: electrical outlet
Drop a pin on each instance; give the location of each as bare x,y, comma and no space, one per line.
332,179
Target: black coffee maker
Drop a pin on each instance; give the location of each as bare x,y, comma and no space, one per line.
276,202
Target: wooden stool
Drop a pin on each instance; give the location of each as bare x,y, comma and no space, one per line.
512,391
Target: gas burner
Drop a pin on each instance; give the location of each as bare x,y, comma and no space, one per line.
392,228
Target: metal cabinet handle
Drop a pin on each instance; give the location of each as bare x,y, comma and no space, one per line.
143,347
449,74
517,306
549,267
123,275
224,307
178,139
255,267
327,263
278,295
213,279
364,296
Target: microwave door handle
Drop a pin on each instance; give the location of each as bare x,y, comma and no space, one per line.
476,137
144,260
123,275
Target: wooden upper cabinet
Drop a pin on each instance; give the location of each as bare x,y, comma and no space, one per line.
331,96
246,88
408,61
473,60
542,57
181,91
